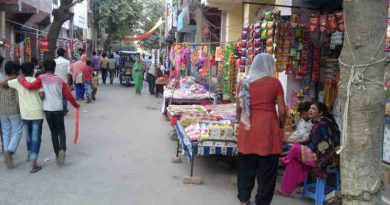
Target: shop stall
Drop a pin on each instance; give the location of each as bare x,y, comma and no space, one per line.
203,131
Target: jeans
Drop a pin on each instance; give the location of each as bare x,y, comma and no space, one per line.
88,87
265,169
34,138
112,75
104,75
152,82
80,91
12,131
55,120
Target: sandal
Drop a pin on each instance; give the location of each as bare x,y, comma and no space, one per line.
35,169
279,193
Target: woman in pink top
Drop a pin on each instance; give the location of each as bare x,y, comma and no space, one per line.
77,73
260,135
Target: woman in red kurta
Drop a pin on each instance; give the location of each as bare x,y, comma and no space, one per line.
260,136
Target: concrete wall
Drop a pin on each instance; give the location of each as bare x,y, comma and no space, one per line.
234,21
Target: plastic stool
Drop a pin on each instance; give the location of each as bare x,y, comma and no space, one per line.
321,188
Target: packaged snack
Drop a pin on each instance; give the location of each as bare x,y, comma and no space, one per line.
268,16
340,21
270,33
264,25
269,42
269,50
270,25
332,22
264,34
323,23
313,23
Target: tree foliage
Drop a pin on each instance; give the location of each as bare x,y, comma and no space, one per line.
116,18
152,11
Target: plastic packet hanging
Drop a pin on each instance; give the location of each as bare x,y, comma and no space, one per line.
264,34
340,21
268,16
332,22
269,42
323,23
314,23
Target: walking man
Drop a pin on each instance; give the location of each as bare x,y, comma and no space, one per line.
11,121
103,67
111,67
118,63
54,88
95,61
63,71
151,76
31,112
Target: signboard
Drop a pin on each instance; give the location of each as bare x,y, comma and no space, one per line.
80,18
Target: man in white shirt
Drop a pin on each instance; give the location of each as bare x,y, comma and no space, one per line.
117,58
63,71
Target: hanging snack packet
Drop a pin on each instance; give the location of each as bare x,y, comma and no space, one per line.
268,16
269,42
269,50
270,25
313,23
264,34
323,24
332,22
340,21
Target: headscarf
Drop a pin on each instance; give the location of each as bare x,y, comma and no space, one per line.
263,66
78,66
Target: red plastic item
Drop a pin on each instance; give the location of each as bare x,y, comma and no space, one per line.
76,134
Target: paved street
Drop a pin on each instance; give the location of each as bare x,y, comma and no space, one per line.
123,157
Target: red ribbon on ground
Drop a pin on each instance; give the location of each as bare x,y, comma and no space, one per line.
76,135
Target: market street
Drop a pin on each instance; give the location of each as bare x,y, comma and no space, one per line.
123,157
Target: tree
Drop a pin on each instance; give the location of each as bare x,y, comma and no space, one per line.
60,14
116,18
365,23
153,10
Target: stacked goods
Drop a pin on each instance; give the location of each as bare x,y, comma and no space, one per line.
326,23
258,38
210,130
191,117
294,51
331,70
180,109
232,76
288,51
224,132
27,49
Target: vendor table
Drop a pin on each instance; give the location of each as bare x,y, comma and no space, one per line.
204,147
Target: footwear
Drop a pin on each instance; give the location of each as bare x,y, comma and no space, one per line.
35,169
61,158
93,98
9,162
280,193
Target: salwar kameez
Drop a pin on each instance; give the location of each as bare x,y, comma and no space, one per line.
316,155
138,75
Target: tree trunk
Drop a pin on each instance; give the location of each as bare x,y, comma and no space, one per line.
60,15
54,31
365,22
